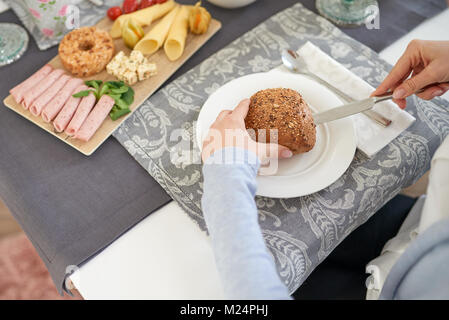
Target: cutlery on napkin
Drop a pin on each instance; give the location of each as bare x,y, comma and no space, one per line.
371,137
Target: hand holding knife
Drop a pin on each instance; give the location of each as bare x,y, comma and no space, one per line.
351,108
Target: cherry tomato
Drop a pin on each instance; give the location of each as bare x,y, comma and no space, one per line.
146,3
130,6
114,13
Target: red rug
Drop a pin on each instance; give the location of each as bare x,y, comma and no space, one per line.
23,275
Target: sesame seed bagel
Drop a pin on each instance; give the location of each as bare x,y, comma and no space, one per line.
286,111
86,51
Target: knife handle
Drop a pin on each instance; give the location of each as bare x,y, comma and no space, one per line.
389,95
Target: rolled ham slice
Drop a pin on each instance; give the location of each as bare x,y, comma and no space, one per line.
39,104
39,88
52,109
95,118
67,112
81,113
22,88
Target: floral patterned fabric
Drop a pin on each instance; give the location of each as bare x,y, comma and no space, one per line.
46,19
299,232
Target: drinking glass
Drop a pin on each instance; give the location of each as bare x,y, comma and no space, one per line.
13,42
348,13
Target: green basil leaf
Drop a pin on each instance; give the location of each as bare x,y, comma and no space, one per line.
121,104
80,94
117,113
120,90
114,96
93,83
104,89
128,96
115,84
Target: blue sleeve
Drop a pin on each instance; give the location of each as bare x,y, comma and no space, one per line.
422,270
246,268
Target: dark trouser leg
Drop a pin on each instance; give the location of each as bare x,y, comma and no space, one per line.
342,274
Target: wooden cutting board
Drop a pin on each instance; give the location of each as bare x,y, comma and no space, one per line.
142,89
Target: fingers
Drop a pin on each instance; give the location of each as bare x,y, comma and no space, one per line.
444,86
400,71
413,84
428,94
223,114
241,110
402,103
273,150
431,92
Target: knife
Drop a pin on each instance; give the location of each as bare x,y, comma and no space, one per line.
351,108
98,3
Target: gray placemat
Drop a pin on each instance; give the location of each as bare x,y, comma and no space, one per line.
300,232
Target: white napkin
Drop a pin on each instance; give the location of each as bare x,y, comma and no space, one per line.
380,267
3,6
371,136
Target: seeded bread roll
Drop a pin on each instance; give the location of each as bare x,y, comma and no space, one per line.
286,111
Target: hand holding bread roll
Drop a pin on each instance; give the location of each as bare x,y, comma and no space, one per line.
143,17
176,39
154,39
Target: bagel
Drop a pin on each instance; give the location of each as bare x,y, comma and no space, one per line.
86,51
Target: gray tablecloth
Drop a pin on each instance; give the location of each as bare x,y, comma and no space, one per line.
300,232
72,206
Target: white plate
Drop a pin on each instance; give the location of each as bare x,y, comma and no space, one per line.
305,173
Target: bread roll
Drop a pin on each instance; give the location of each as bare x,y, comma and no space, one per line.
286,111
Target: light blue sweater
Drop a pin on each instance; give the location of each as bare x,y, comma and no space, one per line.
247,269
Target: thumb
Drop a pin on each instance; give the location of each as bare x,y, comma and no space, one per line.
413,84
241,110
273,150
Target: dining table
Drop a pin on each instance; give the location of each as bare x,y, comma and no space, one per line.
149,248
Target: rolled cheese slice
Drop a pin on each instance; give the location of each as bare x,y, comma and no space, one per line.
39,104
143,17
43,85
176,39
19,91
81,113
52,109
95,118
67,112
154,39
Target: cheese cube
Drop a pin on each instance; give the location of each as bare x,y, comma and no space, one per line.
130,65
147,70
112,67
130,78
119,56
137,56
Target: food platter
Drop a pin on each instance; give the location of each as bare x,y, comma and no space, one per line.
305,173
143,89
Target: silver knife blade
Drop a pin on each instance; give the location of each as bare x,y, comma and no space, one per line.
344,110
98,3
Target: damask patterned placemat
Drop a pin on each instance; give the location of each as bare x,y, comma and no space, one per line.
300,232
